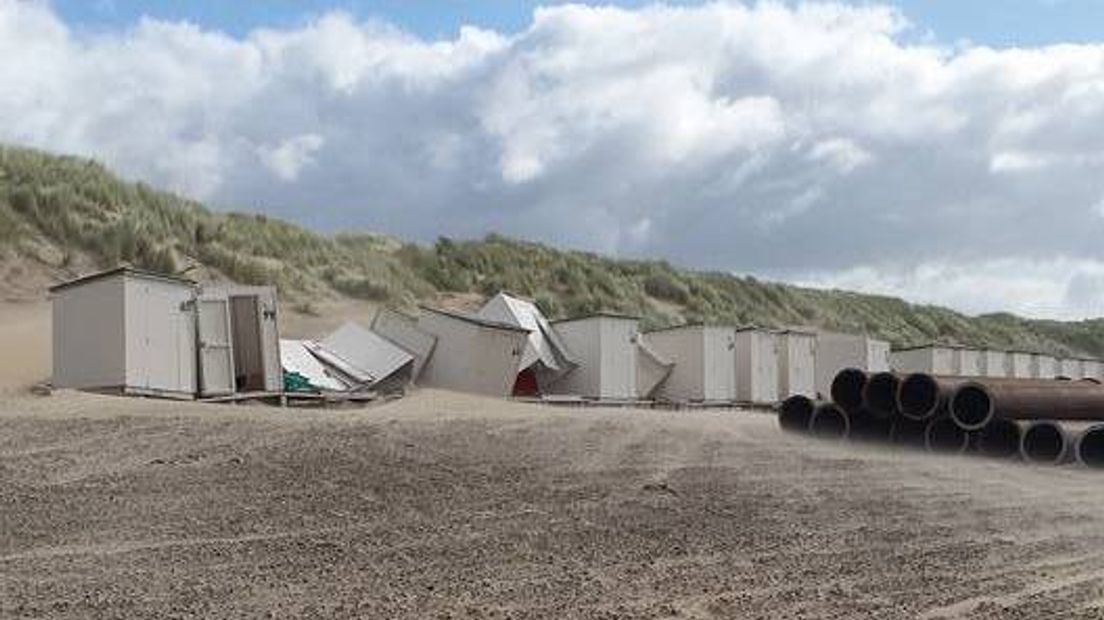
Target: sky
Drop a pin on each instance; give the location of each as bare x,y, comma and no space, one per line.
946,152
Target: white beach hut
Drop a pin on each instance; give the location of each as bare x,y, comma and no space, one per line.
472,354
756,366
796,364
704,358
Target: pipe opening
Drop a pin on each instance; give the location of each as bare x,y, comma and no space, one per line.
944,435
847,388
1090,447
1043,442
880,394
999,439
795,414
918,396
971,406
829,422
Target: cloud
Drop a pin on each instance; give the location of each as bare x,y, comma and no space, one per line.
815,142
291,156
1059,288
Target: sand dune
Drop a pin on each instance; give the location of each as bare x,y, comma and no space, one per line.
442,505
24,344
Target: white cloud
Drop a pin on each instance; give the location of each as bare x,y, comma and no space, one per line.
844,155
778,139
1058,287
287,159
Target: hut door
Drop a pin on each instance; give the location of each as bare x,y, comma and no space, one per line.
216,353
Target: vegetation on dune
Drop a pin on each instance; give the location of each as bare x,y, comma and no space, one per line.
56,209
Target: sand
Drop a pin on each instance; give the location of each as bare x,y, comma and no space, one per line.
24,344
447,506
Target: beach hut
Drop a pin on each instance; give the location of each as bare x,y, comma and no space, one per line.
796,364
835,351
254,334
545,359
402,330
131,331
704,358
994,363
1043,366
931,358
1019,365
652,369
606,349
1070,368
756,366
969,362
472,354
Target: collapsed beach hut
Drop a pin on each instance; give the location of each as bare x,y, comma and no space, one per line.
472,354
652,369
613,361
1020,365
402,330
994,364
796,364
364,359
931,358
704,358
545,359
297,359
835,351
131,331
756,366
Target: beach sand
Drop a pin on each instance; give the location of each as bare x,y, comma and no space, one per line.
448,506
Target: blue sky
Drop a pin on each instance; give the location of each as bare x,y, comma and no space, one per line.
993,22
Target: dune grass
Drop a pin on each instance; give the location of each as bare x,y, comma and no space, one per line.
53,208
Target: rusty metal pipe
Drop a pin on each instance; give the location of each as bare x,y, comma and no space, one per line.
1046,443
1090,447
922,397
977,401
829,422
880,394
795,413
999,439
867,427
908,433
847,389
943,435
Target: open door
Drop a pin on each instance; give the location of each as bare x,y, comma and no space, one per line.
216,352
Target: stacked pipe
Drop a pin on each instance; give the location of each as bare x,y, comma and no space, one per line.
1050,421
